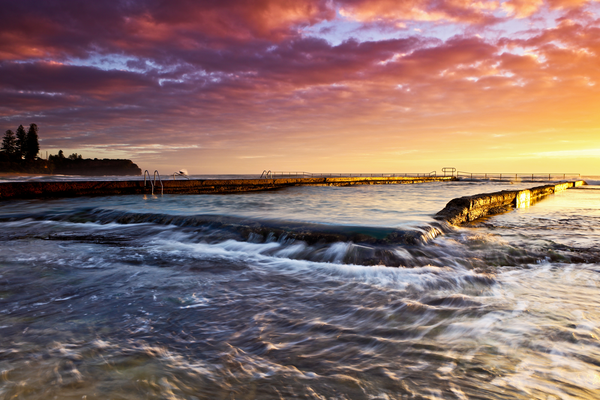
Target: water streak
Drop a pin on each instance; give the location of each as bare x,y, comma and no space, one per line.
97,304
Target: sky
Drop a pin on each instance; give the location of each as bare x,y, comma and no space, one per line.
242,86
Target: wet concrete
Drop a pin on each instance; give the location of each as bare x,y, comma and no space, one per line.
469,208
29,190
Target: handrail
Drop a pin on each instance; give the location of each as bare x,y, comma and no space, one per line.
266,174
160,180
178,174
452,170
302,174
153,183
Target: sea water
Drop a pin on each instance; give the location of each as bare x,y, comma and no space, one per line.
234,297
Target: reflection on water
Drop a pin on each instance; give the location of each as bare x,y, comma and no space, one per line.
505,309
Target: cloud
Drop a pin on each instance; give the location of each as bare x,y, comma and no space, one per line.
569,153
71,28
242,75
36,29
414,10
48,77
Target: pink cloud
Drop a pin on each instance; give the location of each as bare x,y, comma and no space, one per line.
437,11
241,73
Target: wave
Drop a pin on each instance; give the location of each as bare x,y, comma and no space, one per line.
437,244
252,229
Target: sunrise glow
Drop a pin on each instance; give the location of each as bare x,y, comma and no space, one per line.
309,85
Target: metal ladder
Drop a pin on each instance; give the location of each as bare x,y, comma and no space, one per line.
153,183
266,174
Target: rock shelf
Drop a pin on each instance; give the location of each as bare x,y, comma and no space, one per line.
469,208
33,190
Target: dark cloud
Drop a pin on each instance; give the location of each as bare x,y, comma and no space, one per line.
61,78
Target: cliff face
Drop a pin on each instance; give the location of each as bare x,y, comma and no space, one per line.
90,167
27,167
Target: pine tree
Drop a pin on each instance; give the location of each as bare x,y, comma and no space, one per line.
9,142
33,145
21,144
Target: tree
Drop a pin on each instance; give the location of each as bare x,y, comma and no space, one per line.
61,154
9,142
21,144
32,143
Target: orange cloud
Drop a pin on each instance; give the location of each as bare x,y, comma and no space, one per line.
526,8
522,8
415,10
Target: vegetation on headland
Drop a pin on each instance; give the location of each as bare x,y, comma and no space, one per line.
19,154
75,164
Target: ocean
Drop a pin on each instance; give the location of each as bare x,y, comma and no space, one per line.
304,292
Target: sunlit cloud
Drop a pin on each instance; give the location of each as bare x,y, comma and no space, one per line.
242,81
569,153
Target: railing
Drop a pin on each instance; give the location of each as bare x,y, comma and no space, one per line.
447,172
287,174
266,174
497,176
303,174
153,183
450,170
180,174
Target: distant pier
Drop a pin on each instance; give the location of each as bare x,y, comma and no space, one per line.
38,190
